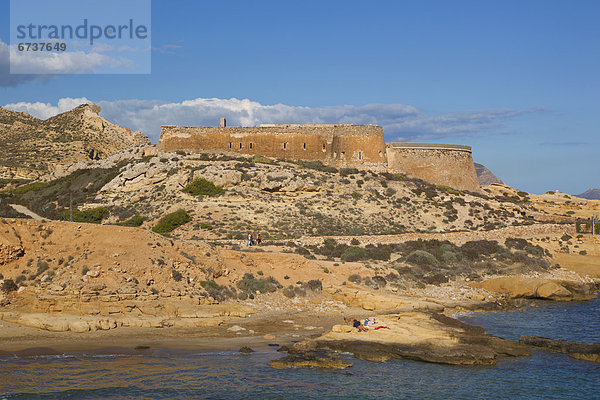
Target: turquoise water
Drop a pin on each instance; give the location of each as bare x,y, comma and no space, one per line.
168,374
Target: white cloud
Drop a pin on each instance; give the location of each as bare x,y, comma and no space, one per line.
70,62
18,66
400,122
8,80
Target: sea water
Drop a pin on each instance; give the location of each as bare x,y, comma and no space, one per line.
171,374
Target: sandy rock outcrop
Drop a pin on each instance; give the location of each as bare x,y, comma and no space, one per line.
89,316
418,336
536,288
381,302
226,178
579,350
10,253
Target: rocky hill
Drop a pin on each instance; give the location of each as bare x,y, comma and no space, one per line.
32,147
279,198
590,194
159,241
485,176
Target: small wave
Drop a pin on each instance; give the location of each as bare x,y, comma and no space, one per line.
462,314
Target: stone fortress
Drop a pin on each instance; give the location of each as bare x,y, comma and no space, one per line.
338,145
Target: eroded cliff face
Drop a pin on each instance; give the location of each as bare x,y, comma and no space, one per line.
32,147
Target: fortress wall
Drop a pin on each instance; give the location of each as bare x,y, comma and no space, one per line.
340,145
442,164
343,146
359,152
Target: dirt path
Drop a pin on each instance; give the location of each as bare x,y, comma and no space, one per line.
24,210
525,232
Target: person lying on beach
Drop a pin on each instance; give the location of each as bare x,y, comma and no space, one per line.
359,326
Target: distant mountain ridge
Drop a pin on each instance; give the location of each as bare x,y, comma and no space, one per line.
32,147
485,176
590,194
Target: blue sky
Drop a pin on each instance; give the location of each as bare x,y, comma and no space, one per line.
516,80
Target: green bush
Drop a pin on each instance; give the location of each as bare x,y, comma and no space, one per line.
536,251
356,195
348,171
92,215
314,285
289,292
477,248
518,244
421,257
302,251
448,189
9,286
259,159
176,275
29,188
355,278
332,249
171,221
449,257
202,187
435,279
135,221
250,284
219,292
354,254
318,166
379,280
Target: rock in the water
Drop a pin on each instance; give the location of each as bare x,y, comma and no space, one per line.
246,350
311,358
580,350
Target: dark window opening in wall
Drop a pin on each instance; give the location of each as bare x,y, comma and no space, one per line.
304,146
240,145
250,145
323,146
343,154
230,145
360,155
284,145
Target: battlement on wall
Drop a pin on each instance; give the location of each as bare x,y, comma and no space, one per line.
429,146
277,129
